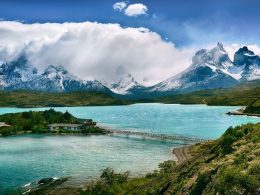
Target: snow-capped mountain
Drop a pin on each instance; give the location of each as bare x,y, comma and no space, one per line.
14,74
17,75
246,64
58,79
209,70
125,85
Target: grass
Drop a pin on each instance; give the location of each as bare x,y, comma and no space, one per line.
39,99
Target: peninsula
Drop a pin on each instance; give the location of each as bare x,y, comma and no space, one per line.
49,121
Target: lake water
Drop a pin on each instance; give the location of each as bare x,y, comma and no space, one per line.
28,158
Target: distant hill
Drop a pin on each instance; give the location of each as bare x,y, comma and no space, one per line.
241,95
40,99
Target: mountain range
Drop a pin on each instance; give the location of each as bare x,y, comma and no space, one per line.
210,69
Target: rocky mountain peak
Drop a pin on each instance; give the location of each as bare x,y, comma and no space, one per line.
244,57
220,46
52,69
216,57
245,50
123,84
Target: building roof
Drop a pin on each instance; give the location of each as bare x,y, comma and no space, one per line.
2,124
64,125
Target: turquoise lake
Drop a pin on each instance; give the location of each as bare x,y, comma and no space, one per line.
24,159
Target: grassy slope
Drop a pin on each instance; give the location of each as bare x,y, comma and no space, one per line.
37,99
253,107
229,165
242,94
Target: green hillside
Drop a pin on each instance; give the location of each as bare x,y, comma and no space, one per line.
253,107
38,99
245,94
229,165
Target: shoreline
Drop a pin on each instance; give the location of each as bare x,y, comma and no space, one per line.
239,113
182,154
100,105
53,134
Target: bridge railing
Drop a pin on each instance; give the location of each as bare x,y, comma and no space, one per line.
155,135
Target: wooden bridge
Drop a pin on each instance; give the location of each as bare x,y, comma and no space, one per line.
154,135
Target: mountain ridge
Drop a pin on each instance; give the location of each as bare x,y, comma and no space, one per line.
210,69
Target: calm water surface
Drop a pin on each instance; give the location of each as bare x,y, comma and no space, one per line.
27,158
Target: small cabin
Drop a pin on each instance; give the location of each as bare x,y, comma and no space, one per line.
90,123
57,126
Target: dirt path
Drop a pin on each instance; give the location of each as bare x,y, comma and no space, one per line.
182,154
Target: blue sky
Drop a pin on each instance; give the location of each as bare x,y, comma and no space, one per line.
184,22
95,39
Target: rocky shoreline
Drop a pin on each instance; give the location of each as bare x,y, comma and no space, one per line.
241,113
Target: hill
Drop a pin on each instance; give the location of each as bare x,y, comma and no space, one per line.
40,99
241,95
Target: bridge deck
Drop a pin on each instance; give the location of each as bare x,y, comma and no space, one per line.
155,135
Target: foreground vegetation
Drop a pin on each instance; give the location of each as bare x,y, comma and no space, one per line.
36,122
245,94
31,99
229,165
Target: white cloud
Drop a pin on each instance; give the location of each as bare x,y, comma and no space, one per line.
94,50
136,9
119,6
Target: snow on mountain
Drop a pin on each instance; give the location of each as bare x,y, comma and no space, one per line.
247,63
216,58
52,79
18,75
14,74
208,70
58,79
126,84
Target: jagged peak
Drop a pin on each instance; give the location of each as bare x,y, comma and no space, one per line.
245,50
220,45
216,56
52,68
218,48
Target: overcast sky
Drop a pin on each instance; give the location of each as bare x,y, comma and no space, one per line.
152,40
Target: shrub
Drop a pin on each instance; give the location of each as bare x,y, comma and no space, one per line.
5,131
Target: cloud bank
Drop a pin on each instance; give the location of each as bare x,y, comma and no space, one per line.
92,50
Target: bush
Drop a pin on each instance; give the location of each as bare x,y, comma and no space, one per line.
5,131
233,181
110,177
166,166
